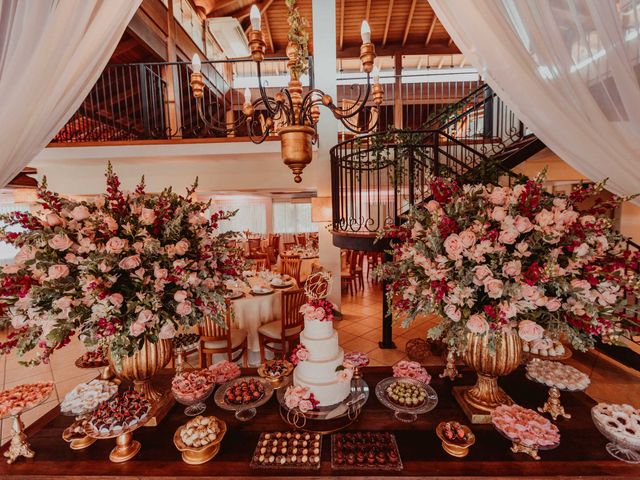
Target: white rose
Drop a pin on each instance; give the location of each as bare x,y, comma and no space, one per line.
147,216
80,213
167,331
180,296
582,250
544,218
452,312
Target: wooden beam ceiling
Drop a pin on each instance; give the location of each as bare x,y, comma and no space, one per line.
267,30
431,29
409,19
341,41
387,23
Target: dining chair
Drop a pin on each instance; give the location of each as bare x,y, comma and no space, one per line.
301,239
222,339
348,276
290,265
259,261
360,269
255,245
278,336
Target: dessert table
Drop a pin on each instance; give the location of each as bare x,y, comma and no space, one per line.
581,453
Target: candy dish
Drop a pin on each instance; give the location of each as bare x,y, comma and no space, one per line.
191,389
276,371
557,376
365,451
406,413
186,342
527,430
245,409
288,450
92,359
13,403
620,424
211,427
456,438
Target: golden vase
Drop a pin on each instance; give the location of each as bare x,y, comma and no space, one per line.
489,363
143,365
296,148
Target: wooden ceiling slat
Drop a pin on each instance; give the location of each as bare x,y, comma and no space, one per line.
431,28
341,43
386,25
267,29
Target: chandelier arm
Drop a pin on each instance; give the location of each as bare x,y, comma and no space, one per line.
341,113
263,93
252,134
357,129
212,123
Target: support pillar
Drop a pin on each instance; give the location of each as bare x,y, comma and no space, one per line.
397,91
171,76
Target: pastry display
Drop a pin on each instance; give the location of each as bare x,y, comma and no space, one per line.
406,394
223,371
528,430
556,374
75,431
620,423
192,385
545,347
186,341
200,431
275,371
288,450
409,369
86,397
22,397
244,392
93,359
124,411
365,450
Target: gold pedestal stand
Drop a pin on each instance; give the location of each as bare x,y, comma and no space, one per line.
531,451
479,413
553,406
77,443
126,448
19,446
450,371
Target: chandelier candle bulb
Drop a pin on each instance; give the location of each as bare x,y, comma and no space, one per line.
255,17
196,64
365,32
376,75
247,95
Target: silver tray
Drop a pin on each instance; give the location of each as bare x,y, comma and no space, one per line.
406,414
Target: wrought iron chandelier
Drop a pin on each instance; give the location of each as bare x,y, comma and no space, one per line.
297,114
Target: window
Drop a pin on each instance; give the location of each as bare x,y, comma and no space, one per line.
8,252
292,218
251,215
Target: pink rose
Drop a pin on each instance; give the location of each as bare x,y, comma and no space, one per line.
184,308
512,268
136,329
523,224
209,284
105,267
453,245
145,316
111,224
58,271
580,284
138,247
433,206
319,313
498,196
481,273
544,218
567,217
493,287
147,216
508,236
99,201
63,303
508,310
290,400
468,238
345,375
80,213
12,268
307,310
26,253
530,331
167,332
180,296
60,242
116,299
452,312
305,406
553,305
115,245
498,214
582,250
302,354
477,324
53,219
160,273
130,263
182,246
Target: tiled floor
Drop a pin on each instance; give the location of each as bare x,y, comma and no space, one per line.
360,329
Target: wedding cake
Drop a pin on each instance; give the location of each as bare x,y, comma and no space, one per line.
320,358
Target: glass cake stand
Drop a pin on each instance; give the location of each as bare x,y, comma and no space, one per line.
618,447
330,418
404,413
194,406
243,412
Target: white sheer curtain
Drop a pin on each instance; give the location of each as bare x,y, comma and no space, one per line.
7,251
568,68
51,54
251,214
292,218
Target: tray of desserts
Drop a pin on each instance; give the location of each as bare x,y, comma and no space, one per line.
365,451
275,371
123,413
407,397
93,359
288,450
558,375
191,388
620,424
199,439
21,398
546,348
243,395
186,342
85,397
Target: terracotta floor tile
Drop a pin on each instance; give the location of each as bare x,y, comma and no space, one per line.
355,329
387,357
359,345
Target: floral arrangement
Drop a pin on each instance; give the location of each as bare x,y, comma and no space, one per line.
119,270
318,309
299,354
357,359
409,369
489,258
223,371
300,398
344,372
298,38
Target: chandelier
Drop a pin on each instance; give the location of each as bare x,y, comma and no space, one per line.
295,114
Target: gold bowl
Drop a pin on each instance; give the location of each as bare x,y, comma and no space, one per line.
276,382
199,455
456,449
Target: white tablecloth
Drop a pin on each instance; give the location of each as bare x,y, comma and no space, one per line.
252,311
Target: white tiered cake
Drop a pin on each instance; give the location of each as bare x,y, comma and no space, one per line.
318,371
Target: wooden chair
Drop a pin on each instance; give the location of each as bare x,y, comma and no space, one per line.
290,265
280,335
216,339
275,244
259,261
373,260
360,268
255,245
288,246
348,276
301,240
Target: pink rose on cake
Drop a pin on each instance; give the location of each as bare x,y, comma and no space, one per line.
301,398
318,309
299,354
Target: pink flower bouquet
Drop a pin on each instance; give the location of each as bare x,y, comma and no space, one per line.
300,398
318,309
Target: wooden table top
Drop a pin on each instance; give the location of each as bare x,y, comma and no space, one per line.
581,452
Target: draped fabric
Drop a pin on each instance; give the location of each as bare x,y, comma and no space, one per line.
569,69
289,217
51,54
251,214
